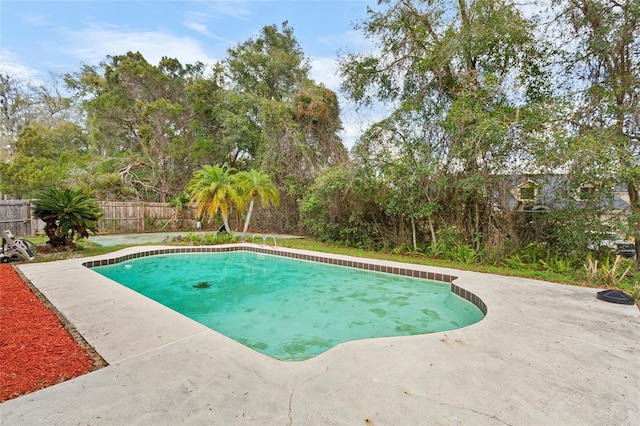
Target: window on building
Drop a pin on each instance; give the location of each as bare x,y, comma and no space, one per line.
528,191
586,191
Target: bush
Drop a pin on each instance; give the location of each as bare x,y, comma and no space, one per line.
339,206
462,253
209,238
68,214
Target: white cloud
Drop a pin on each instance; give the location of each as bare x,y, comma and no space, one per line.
197,22
350,133
356,121
325,71
215,10
239,9
10,65
36,20
92,44
197,27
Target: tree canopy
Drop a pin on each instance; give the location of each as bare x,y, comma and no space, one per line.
145,128
464,79
502,129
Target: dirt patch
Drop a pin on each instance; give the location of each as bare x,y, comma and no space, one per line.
38,346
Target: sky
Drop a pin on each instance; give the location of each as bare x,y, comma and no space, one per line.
39,38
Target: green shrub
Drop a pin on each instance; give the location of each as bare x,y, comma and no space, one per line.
221,238
437,250
558,264
449,236
68,214
209,238
515,261
533,253
462,253
191,238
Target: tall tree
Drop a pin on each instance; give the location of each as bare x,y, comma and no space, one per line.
142,111
272,66
16,111
394,150
603,49
23,104
290,121
465,72
43,157
298,120
225,125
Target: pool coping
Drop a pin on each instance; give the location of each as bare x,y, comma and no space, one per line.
545,353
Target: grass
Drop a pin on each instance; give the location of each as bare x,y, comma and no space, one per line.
85,248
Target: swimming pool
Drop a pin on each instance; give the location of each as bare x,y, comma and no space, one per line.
291,309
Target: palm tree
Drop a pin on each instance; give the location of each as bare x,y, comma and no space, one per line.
67,213
214,190
257,184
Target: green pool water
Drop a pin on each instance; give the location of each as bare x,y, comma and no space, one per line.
292,309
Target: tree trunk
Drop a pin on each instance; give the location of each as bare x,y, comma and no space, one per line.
55,240
634,202
225,220
413,232
246,221
433,232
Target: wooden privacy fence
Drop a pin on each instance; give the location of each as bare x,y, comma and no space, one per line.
119,217
15,215
130,217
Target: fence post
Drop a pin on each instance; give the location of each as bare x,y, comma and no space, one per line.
26,217
143,215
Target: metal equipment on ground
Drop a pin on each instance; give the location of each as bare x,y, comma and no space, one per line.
14,249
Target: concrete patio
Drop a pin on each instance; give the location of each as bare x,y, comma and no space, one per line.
545,354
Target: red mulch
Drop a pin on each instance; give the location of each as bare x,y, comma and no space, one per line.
36,350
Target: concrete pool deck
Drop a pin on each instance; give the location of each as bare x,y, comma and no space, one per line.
545,354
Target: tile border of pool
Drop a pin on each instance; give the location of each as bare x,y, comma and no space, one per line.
459,291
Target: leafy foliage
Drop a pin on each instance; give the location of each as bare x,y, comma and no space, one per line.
213,189
210,238
340,206
67,214
476,101
271,66
254,184
604,51
465,79
44,157
140,114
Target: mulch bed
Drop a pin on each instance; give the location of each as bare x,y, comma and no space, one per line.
38,347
